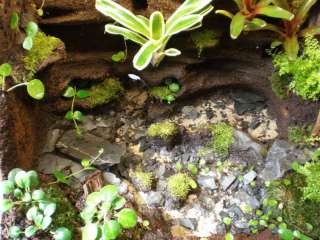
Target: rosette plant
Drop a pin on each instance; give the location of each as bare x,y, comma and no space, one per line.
154,33
247,18
104,215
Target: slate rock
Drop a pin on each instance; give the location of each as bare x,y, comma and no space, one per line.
226,181
88,146
249,177
152,198
207,182
189,223
190,112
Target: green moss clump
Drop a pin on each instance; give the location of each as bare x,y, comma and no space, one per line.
43,46
143,180
279,85
297,213
222,139
205,39
160,92
66,214
179,185
163,130
105,92
311,172
296,135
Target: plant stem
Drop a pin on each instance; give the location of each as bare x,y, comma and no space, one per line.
16,86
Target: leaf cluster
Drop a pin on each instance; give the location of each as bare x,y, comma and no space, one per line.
104,215
22,191
222,139
166,93
179,185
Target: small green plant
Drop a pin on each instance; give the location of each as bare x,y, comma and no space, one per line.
75,115
31,31
35,87
179,185
119,56
14,20
154,33
222,139
102,215
298,135
192,168
167,92
163,130
246,19
22,191
86,165
142,179
203,39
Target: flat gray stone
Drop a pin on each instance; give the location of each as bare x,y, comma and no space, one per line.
111,178
52,138
153,199
249,177
226,182
207,182
279,159
243,142
189,223
88,146
190,112
241,197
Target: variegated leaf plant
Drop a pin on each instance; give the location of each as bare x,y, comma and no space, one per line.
154,33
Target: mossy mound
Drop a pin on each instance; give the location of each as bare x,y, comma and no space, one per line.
66,214
163,130
203,39
297,213
143,180
43,46
222,139
105,92
179,185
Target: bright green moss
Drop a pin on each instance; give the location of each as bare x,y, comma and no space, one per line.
204,39
66,214
105,92
222,139
160,92
179,185
279,85
43,46
163,130
297,135
144,180
311,171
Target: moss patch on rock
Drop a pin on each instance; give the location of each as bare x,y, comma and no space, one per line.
179,185
43,46
163,130
105,92
143,180
222,139
66,214
203,39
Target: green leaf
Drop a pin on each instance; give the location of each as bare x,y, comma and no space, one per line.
291,46
93,199
50,209
229,236
118,57
122,15
90,232
260,23
32,29
61,177
157,26
172,52
47,220
40,12
126,33
14,232
14,20
315,30
62,233
237,25
34,179
295,166
187,8
227,221
127,218
5,205
83,94
32,213
85,163
17,193
69,92
30,231
225,13
88,213
38,195
20,179
276,12
6,187
304,9
144,56
12,174
109,193
36,89
285,234
5,69
183,24
77,115
27,43
69,116
27,197
275,44
119,203
111,230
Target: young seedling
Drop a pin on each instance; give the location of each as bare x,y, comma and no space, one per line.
35,87
75,115
23,192
86,164
102,215
31,31
14,20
